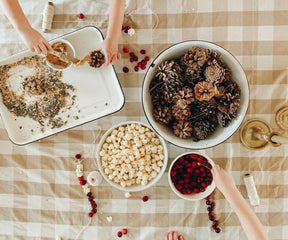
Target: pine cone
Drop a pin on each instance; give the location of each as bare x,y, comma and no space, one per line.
181,110
223,119
204,91
169,69
157,98
185,93
208,108
203,129
182,129
216,72
162,114
230,101
193,74
195,55
96,59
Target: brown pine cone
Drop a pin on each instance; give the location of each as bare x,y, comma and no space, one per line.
204,91
162,114
185,93
96,59
195,55
203,129
223,119
182,129
216,72
181,110
168,68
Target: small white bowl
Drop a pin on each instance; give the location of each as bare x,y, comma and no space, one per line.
221,134
193,196
70,49
134,187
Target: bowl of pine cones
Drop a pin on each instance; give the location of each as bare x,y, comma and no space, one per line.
195,94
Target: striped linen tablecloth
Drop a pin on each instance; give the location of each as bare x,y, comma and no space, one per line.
40,197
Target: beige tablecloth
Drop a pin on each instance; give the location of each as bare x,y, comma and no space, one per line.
40,197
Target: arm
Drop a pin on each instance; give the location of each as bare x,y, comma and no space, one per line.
110,44
248,219
33,39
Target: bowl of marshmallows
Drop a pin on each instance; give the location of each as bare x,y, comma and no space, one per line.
131,156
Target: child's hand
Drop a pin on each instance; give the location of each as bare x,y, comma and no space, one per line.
35,41
173,235
223,181
110,50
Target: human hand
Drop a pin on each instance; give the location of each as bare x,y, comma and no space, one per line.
173,235
223,181
110,49
35,41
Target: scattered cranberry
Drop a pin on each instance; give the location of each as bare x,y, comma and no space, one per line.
81,16
82,182
94,210
135,58
90,214
124,231
131,59
142,51
123,27
145,199
132,54
125,50
139,64
91,199
78,156
208,202
119,234
125,69
147,58
218,230
89,194
136,68
80,178
143,67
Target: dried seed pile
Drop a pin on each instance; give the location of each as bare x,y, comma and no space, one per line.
43,95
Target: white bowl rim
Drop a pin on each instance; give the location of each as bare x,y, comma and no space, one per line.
202,195
194,43
135,187
72,48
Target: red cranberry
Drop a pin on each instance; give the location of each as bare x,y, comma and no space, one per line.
82,182
78,156
215,223
80,178
193,156
131,60
125,50
211,218
143,67
218,230
142,51
178,187
123,27
81,16
196,172
196,190
89,194
209,209
202,189
119,234
203,185
136,68
194,164
94,210
132,54
213,204
91,199
139,64
125,69
124,231
135,58
147,58
145,198
189,170
90,214
208,202
210,214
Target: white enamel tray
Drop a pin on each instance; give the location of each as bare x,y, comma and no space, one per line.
98,91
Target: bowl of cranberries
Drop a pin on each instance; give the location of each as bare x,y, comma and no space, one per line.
190,176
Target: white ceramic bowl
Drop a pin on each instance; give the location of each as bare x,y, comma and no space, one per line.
221,134
194,196
70,49
135,187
